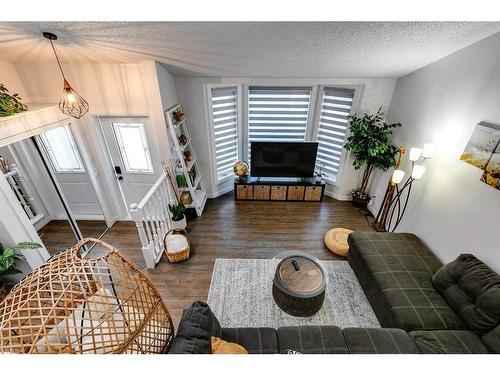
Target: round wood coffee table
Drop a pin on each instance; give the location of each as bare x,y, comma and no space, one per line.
299,285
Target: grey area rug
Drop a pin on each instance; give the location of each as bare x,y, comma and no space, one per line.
241,296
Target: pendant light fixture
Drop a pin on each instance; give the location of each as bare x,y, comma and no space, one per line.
71,103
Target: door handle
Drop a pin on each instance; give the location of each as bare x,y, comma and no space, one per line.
118,172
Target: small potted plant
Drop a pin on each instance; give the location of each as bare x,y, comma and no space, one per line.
178,217
8,257
369,144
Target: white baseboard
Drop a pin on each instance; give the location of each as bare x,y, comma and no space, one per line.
218,193
44,220
372,211
338,196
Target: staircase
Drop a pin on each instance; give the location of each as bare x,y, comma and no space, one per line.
152,219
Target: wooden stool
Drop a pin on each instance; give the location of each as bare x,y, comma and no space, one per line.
336,240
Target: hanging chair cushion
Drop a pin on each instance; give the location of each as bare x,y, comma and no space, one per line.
196,328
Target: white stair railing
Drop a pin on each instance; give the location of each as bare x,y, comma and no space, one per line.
152,219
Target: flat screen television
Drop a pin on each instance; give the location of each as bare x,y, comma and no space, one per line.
283,159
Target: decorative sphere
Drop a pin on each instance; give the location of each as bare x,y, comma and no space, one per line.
240,168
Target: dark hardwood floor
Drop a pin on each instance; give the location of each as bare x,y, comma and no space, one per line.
57,234
229,229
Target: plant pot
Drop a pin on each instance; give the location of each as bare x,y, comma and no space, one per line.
360,202
180,224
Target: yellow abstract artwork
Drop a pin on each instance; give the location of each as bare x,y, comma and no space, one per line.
483,152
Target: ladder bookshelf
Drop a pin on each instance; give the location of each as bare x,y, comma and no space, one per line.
184,161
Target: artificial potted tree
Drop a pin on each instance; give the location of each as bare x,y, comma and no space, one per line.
10,104
369,144
178,215
8,257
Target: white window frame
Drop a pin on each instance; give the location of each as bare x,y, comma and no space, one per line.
239,127
52,158
356,101
119,141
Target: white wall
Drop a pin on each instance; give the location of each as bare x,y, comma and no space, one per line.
451,210
111,90
167,88
191,94
10,79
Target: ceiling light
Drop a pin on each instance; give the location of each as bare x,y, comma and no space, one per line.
71,103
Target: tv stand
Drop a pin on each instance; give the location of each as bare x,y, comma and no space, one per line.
276,190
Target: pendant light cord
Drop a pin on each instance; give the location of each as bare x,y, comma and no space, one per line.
57,59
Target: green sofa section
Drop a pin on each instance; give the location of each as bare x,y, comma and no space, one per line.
423,307
446,309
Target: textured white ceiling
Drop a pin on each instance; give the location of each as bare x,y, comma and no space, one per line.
250,49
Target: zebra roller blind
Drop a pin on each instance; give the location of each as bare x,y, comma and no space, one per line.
225,124
277,114
336,105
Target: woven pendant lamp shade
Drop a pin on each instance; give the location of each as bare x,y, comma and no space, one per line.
75,305
71,103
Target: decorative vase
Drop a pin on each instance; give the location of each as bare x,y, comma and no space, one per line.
180,224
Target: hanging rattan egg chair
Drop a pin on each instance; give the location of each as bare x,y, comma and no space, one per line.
75,305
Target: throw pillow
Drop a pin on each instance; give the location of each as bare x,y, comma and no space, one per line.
220,346
198,324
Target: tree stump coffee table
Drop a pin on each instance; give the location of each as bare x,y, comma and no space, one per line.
299,284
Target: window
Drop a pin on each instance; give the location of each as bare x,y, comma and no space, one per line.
277,114
225,129
335,107
133,147
62,151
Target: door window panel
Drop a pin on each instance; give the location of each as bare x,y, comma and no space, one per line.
62,151
133,147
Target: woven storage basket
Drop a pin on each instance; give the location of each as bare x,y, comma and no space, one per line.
75,305
176,255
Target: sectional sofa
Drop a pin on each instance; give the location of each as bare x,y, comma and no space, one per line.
423,307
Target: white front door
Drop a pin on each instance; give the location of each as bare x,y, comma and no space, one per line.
136,162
